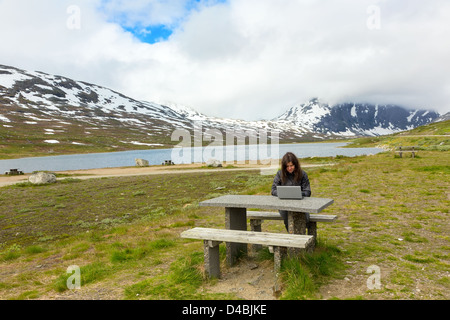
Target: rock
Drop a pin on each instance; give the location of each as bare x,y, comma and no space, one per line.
42,178
213,163
253,266
141,162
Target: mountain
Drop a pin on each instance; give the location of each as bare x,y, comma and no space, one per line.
56,96
84,117
350,119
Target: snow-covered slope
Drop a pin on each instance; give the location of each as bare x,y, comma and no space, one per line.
350,119
60,96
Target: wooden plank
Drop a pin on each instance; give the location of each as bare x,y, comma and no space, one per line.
322,217
238,236
403,148
269,215
264,215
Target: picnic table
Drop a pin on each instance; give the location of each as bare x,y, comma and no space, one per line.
236,214
13,172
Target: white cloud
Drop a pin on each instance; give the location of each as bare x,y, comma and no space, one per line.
245,59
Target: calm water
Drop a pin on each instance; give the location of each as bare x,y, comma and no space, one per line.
180,155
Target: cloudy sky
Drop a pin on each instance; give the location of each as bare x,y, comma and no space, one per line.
247,59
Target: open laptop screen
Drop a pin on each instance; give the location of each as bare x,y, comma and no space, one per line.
289,192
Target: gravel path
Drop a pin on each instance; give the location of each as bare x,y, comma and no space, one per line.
136,171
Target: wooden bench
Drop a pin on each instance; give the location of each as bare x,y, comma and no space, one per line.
256,218
275,241
413,151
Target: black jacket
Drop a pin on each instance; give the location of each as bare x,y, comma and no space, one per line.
304,183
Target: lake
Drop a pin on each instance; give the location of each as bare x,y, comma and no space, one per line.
181,155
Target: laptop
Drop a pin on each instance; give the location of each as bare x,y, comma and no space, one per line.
289,192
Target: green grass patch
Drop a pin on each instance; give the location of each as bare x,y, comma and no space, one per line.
55,211
90,273
181,282
434,169
303,276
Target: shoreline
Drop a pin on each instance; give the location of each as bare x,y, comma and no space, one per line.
153,169
6,180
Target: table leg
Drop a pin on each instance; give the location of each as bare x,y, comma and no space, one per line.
297,225
297,222
255,226
235,219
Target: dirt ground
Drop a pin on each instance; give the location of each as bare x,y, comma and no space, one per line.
113,172
248,280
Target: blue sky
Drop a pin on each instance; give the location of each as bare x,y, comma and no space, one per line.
152,21
150,34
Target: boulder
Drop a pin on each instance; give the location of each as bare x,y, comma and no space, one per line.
141,162
42,178
214,163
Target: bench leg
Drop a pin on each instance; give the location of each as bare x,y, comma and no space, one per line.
235,219
212,260
255,225
278,255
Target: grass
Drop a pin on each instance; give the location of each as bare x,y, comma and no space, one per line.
180,282
304,276
56,210
123,233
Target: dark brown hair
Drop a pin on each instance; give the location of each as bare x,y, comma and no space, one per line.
290,157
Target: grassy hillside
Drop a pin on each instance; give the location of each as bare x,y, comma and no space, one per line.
124,234
24,137
433,136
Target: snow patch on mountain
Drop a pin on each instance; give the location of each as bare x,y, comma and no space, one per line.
350,119
305,115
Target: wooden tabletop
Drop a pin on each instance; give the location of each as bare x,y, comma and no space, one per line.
307,204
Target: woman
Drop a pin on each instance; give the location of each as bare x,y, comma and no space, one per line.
291,174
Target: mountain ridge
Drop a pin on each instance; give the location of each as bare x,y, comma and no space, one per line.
96,115
349,119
